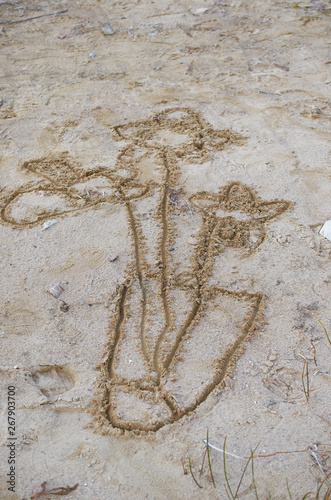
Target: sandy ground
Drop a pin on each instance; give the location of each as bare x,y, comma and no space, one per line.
181,148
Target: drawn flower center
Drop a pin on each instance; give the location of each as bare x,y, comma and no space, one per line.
168,138
232,232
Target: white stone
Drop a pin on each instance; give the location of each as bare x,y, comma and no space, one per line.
326,230
48,224
202,10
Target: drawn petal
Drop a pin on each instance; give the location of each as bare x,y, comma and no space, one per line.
59,169
237,196
205,201
272,209
29,207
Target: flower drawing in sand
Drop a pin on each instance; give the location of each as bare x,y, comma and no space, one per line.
175,332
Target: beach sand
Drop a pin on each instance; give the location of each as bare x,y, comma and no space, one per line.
180,151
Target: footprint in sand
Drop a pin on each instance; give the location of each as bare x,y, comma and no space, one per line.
51,381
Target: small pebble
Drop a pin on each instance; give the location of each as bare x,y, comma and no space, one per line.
107,29
56,290
64,306
202,10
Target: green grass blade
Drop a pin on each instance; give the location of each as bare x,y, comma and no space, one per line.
225,472
320,322
209,462
253,477
288,489
244,471
191,471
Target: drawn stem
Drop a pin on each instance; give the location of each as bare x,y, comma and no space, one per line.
165,266
138,265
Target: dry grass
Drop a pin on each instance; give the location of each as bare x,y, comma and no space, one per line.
320,454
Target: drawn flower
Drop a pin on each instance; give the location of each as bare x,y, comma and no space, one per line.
161,384
237,215
64,187
163,359
181,131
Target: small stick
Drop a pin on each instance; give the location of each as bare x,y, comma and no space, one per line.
305,385
62,490
184,468
36,17
278,453
319,416
314,350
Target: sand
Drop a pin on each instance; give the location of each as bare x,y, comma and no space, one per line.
164,177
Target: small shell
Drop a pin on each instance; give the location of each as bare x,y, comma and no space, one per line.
48,224
326,230
56,290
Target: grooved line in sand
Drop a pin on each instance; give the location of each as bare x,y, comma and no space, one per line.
140,278
164,269
147,402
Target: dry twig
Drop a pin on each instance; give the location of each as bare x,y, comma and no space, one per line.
62,490
35,17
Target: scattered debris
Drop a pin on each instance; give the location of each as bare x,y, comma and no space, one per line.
190,68
91,54
62,36
282,66
107,29
173,194
56,290
64,307
270,403
48,224
62,490
326,230
131,34
114,258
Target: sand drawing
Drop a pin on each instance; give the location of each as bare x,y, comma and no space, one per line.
175,333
